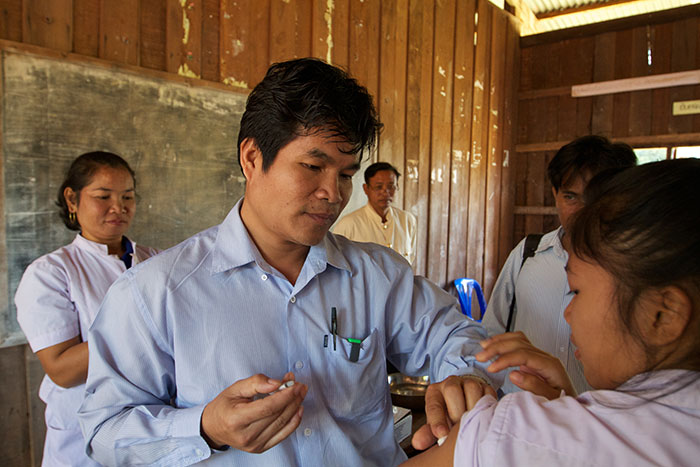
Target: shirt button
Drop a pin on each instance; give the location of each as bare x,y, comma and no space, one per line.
199,452
293,299
299,365
264,277
307,432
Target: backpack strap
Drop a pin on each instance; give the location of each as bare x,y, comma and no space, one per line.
532,241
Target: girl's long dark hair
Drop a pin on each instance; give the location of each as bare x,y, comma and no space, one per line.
642,225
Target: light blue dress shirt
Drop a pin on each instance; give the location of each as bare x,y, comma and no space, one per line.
174,333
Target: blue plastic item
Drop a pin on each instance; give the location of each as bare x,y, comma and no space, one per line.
465,287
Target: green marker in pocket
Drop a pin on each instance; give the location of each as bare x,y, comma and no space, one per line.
354,349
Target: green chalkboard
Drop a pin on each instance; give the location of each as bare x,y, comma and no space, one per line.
180,139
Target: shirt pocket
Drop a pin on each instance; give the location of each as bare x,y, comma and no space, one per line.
355,389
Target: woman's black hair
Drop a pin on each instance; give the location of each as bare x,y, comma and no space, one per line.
80,175
303,96
642,225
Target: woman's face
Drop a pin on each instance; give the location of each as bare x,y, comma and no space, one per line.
106,205
610,356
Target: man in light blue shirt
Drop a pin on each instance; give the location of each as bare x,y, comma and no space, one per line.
186,348
540,286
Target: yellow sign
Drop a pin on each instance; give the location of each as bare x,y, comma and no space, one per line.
686,107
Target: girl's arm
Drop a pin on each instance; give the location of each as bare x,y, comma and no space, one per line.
437,456
66,363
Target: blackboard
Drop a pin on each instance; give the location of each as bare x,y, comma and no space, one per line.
179,138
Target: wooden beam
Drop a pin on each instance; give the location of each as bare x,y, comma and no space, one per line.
27,49
540,147
461,139
510,109
535,210
547,92
481,92
675,139
441,142
665,80
418,120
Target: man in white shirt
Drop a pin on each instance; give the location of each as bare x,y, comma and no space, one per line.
378,221
539,284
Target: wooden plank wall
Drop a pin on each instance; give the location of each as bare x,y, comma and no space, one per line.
441,91
443,74
549,117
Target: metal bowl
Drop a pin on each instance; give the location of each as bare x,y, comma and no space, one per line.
408,391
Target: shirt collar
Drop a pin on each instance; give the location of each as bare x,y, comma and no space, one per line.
333,254
553,240
675,387
375,215
234,248
100,248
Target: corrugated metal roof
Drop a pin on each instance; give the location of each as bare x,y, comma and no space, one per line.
547,6
562,14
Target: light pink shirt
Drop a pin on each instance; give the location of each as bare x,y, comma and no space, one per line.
598,428
57,299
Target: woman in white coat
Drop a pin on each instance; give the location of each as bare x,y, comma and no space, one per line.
60,293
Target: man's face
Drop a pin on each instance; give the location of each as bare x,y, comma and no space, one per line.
380,190
569,198
302,193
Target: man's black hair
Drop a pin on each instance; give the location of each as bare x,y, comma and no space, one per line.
586,156
378,167
305,96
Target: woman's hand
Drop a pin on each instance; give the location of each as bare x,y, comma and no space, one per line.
539,372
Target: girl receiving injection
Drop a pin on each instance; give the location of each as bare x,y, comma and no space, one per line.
635,319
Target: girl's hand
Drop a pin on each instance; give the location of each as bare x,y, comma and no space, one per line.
539,372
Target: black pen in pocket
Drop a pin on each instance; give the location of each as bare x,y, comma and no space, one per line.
334,325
